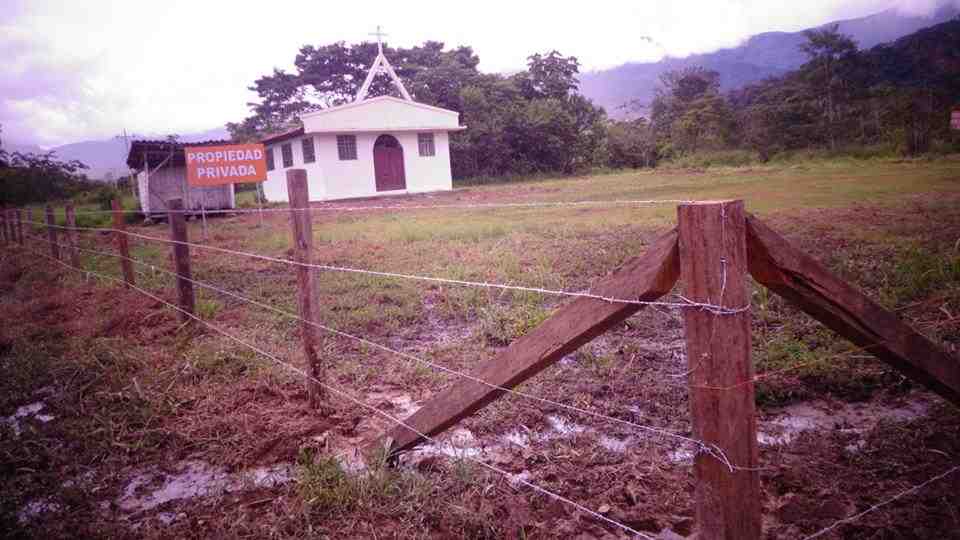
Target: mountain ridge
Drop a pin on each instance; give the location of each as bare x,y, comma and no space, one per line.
763,55
107,158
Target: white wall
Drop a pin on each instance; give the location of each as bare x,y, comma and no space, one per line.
426,173
275,188
330,178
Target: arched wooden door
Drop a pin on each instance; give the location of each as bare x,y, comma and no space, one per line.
388,164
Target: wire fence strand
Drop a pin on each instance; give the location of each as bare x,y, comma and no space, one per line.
371,408
701,447
685,303
883,503
469,206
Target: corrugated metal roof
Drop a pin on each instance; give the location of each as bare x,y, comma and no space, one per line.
282,136
157,152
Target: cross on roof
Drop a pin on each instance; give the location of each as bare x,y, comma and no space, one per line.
380,35
381,64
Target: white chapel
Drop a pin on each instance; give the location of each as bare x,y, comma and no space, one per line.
378,146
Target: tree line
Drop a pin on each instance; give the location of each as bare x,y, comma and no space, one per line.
28,178
896,95
896,98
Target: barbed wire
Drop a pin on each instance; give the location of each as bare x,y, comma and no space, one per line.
701,447
469,206
686,303
883,503
356,401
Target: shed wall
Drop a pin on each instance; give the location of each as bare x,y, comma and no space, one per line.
167,183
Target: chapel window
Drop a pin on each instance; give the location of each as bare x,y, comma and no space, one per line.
347,147
309,156
286,152
270,165
425,142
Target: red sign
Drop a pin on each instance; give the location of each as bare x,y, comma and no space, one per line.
955,119
231,164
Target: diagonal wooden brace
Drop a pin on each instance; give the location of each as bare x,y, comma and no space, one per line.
801,279
643,278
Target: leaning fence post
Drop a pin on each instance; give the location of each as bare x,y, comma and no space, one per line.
72,240
52,234
306,281
713,265
181,258
123,243
19,216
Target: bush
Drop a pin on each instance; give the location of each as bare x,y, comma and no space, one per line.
105,195
716,158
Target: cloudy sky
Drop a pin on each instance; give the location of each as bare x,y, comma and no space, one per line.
85,70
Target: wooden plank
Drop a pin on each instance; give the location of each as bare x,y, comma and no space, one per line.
181,258
713,270
302,229
52,234
644,278
123,243
71,234
801,279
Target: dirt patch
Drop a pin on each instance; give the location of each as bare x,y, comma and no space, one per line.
197,437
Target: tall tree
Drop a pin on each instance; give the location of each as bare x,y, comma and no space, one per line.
550,75
829,52
332,74
688,111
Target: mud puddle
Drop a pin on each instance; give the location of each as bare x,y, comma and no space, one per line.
26,413
857,418
190,479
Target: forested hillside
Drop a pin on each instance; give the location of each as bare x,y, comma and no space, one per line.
761,56
897,94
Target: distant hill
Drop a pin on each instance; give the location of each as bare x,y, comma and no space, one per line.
13,146
108,157
761,56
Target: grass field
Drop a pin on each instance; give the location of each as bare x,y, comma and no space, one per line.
138,398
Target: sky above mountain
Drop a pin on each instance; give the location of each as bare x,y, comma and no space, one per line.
86,70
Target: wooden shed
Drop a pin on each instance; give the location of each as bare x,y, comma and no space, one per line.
162,175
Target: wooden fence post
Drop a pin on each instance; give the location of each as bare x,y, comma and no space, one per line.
52,234
7,222
123,243
11,225
72,240
19,216
181,257
713,266
3,224
303,254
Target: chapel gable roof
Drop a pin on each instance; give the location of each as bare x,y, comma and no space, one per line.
383,113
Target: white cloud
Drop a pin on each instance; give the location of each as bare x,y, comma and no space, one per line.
89,69
921,7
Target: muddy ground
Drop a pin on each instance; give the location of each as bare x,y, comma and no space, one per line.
119,421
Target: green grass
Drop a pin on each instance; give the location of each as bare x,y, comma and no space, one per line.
126,397
918,273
